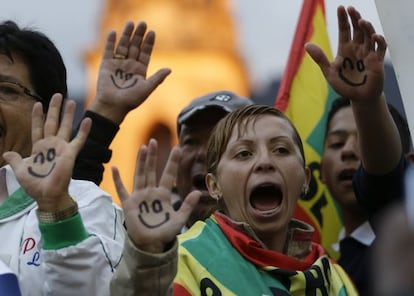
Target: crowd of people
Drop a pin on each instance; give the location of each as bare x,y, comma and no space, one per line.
218,221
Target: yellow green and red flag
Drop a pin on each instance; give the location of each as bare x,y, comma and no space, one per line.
305,97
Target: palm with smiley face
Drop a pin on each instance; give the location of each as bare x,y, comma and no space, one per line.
151,221
357,72
46,174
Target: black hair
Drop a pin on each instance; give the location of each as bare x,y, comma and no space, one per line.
47,71
399,120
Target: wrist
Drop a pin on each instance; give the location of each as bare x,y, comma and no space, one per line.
51,214
154,248
107,111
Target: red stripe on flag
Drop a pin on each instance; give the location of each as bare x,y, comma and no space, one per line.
304,31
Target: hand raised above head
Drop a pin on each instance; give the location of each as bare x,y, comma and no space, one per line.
46,174
151,221
357,71
122,83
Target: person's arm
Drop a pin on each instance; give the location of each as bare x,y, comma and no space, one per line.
95,152
357,73
81,229
152,224
122,86
144,273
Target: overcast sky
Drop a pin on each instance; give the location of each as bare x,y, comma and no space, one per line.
265,27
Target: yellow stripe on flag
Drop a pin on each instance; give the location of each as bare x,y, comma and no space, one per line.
305,97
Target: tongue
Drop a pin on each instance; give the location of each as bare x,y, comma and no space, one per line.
264,203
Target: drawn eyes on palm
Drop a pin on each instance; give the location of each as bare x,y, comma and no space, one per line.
43,164
123,80
152,215
353,73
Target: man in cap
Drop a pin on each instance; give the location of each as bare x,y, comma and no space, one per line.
194,125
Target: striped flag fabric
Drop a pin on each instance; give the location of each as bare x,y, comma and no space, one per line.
305,97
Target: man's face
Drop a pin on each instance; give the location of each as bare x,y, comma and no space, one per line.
192,169
341,158
15,115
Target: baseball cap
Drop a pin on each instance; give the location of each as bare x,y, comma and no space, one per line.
224,100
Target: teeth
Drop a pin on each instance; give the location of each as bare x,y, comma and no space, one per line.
268,212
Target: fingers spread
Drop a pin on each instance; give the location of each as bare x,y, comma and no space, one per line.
170,171
151,163
65,129
381,45
319,57
119,186
136,41
123,44
157,78
189,204
109,45
146,50
38,119
140,180
82,134
12,158
358,34
52,118
369,31
344,31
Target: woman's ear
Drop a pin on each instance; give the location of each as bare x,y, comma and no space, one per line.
213,186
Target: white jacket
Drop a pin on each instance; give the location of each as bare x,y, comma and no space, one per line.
83,268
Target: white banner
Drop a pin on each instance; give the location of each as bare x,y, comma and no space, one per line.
397,21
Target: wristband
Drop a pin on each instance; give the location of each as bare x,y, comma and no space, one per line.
53,217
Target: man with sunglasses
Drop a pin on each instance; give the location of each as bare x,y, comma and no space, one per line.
60,236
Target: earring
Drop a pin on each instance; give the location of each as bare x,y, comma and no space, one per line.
304,192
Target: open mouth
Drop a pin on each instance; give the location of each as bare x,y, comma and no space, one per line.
346,175
199,182
266,198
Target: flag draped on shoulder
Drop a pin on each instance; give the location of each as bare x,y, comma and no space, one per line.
305,97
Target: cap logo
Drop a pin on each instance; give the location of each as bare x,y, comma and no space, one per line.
222,98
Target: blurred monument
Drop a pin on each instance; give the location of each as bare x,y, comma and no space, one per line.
197,40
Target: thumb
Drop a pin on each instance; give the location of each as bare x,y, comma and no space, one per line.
189,203
157,78
12,158
119,185
318,56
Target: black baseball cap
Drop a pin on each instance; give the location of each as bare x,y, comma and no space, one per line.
223,100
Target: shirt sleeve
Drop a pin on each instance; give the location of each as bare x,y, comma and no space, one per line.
95,152
142,273
86,263
375,192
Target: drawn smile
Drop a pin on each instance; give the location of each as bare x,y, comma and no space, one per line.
342,76
131,84
41,175
167,217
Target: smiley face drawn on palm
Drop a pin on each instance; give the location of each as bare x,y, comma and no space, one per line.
152,216
43,163
349,70
120,79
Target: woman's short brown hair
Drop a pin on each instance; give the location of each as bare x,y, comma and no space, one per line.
221,134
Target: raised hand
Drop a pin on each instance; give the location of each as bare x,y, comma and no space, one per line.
45,175
151,221
357,72
122,83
